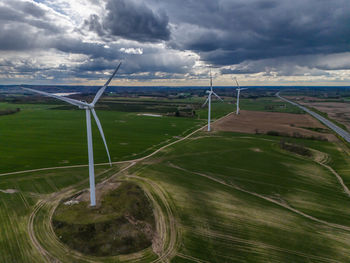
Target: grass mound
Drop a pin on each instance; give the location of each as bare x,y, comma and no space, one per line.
124,223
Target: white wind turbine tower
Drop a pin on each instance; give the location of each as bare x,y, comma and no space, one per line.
89,108
238,93
210,93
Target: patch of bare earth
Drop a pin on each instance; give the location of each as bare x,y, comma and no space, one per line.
256,150
101,189
304,98
338,111
9,191
263,122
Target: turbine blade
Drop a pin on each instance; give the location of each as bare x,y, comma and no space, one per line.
216,95
211,81
236,82
68,100
101,132
205,103
101,90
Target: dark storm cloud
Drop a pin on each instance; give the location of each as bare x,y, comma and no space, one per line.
302,65
228,32
244,36
152,60
131,20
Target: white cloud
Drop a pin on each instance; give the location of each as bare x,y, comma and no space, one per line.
136,51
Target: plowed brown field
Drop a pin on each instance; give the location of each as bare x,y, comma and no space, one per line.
263,122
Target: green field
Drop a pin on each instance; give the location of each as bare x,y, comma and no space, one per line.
228,191
270,104
218,197
16,208
39,136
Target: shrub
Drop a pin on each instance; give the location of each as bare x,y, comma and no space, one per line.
295,148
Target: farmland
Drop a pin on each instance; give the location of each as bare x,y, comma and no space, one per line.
28,143
40,136
268,104
282,208
275,123
219,197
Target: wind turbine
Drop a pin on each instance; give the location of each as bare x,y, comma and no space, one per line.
89,108
210,93
238,92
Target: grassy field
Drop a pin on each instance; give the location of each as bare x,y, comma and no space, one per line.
240,198
270,104
218,197
231,198
39,136
16,206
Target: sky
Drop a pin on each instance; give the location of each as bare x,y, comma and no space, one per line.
175,42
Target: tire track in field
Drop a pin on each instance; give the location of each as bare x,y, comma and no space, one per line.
323,162
271,200
52,198
46,256
191,258
224,237
339,178
173,239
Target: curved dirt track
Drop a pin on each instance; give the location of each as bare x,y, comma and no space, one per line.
169,250
340,180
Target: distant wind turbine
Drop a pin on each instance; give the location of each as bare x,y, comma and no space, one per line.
89,108
210,93
238,93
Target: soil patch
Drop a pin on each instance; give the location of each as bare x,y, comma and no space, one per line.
265,122
100,190
9,191
338,111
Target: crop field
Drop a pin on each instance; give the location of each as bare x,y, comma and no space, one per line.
39,136
286,124
239,198
18,197
336,111
216,197
270,104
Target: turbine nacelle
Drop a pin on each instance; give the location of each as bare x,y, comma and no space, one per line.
89,106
